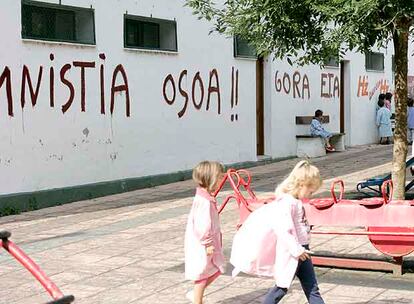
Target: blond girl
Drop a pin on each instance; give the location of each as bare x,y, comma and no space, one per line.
274,240
204,259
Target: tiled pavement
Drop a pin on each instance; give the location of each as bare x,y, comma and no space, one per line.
128,248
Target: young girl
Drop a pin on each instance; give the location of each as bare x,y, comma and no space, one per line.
274,240
384,123
204,259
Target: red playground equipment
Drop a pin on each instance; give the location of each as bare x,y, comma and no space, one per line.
389,224
19,255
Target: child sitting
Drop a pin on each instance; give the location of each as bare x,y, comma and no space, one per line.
316,129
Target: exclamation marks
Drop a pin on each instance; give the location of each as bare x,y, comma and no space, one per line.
234,99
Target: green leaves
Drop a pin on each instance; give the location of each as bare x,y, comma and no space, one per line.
312,31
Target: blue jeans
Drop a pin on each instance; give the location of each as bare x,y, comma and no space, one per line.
307,278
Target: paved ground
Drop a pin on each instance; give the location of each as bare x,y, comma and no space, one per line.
128,248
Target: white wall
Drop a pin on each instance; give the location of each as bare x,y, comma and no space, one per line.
363,102
360,104
287,104
43,148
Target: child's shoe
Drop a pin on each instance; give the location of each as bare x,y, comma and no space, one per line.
190,296
330,149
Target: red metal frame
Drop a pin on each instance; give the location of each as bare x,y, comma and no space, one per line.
34,269
245,205
383,219
390,224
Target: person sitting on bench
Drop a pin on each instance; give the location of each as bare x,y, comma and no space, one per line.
316,129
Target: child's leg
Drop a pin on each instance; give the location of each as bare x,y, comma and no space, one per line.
307,278
213,278
200,287
275,295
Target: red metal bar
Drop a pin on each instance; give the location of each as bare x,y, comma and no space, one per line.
241,199
246,184
350,214
31,266
342,190
387,183
349,263
363,233
226,200
227,176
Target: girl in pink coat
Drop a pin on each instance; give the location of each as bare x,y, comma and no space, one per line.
204,259
274,240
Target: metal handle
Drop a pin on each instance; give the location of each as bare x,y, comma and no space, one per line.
242,180
341,190
226,200
228,176
387,183
246,184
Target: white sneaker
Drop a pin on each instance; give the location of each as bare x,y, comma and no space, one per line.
190,296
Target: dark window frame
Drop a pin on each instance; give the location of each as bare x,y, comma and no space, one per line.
369,61
332,63
57,7
152,21
235,48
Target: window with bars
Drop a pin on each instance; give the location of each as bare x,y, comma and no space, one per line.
53,22
150,33
374,61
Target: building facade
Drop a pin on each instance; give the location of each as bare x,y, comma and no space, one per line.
105,91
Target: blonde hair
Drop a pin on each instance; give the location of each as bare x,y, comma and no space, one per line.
304,174
207,174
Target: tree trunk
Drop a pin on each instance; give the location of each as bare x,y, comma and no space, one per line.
400,38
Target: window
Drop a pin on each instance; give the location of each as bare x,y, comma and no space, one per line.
332,62
243,49
53,22
150,33
374,61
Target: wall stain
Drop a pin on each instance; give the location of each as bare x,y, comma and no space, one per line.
113,156
85,132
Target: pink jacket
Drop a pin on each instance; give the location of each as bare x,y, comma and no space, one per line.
203,230
267,244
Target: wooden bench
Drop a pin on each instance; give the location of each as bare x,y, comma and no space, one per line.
314,146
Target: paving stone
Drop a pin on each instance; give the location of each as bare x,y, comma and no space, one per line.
128,248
